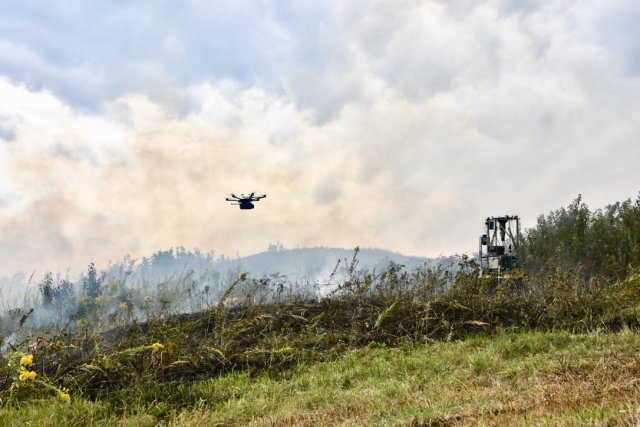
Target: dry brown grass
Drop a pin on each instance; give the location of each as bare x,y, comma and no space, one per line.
575,380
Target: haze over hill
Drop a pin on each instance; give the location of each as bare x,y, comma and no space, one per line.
312,265
180,271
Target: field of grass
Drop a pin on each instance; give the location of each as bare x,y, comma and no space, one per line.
553,343
389,348
535,378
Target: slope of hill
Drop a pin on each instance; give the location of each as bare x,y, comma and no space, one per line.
316,265
399,347
553,378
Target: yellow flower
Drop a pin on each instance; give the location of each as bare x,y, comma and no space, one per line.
156,346
28,376
64,397
26,360
123,306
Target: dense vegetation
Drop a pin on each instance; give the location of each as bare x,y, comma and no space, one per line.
604,243
116,346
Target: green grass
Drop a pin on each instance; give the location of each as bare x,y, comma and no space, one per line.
553,378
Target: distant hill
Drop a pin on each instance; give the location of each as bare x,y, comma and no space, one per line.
179,268
317,264
314,265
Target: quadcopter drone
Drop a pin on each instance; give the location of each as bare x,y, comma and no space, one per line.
245,201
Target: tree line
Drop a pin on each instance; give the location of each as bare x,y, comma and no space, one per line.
603,242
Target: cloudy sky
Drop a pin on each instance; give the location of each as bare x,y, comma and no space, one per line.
392,124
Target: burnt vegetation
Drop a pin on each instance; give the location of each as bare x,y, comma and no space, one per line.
580,272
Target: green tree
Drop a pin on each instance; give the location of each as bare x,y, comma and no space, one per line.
92,284
46,290
604,242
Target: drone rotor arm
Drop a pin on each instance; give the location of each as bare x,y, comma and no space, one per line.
245,199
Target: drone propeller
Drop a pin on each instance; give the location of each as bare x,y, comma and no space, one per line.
245,199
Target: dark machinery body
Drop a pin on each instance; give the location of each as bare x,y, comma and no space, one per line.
500,244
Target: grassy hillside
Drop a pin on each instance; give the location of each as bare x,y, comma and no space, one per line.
509,379
555,343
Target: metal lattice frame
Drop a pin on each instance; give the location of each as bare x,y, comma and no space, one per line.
502,242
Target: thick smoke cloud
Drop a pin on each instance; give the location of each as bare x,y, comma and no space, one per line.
387,124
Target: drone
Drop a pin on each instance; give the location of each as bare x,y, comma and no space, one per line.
245,201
